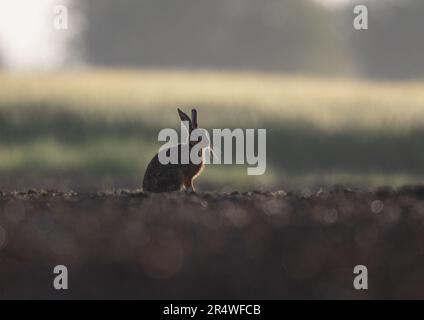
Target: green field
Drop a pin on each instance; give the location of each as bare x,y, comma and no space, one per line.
98,129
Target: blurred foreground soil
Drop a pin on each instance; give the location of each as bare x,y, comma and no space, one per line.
253,245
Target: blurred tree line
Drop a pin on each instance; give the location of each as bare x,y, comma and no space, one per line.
393,47
272,35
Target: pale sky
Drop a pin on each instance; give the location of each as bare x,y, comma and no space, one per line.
29,41
333,3
27,37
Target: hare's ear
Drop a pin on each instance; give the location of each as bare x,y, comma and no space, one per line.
185,117
194,117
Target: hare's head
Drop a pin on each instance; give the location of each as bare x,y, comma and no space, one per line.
200,136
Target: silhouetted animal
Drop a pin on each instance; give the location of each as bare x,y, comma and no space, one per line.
174,177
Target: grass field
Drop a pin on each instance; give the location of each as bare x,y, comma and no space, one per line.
98,129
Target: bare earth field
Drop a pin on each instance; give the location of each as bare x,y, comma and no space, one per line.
258,245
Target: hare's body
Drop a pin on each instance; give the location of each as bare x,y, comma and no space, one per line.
174,177
170,177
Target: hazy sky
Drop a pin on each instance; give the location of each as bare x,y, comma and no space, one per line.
28,40
27,37
333,2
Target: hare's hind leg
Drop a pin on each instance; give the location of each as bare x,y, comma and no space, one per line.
170,181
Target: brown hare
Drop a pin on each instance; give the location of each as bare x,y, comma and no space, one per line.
174,177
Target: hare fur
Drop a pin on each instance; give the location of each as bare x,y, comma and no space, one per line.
174,177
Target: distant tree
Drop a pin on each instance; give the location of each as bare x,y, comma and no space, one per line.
277,35
393,46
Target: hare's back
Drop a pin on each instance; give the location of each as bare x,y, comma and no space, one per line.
162,177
